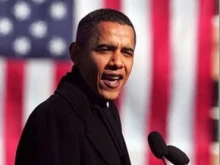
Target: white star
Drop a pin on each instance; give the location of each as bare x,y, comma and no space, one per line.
38,29
39,1
6,26
58,10
22,45
22,11
57,46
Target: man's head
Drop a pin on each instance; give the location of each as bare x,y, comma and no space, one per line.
104,50
87,24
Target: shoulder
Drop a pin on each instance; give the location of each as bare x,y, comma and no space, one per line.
55,108
54,104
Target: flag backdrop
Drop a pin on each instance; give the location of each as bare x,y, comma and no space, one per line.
169,89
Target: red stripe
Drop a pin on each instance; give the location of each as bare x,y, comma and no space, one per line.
160,70
113,4
13,108
61,68
203,94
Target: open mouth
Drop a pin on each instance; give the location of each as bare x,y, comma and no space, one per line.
112,80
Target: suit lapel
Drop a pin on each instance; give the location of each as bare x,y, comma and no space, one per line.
101,140
95,130
125,160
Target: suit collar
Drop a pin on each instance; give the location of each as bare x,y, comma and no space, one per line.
77,79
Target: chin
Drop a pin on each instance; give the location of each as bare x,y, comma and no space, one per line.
110,95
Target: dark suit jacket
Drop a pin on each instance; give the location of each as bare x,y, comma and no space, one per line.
65,130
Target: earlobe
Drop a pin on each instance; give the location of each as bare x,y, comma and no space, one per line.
74,52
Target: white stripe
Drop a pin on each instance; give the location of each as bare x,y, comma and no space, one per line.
83,7
214,149
214,113
38,84
136,98
184,46
2,94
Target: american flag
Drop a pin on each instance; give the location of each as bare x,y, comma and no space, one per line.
169,90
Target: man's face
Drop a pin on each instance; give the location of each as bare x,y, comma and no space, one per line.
107,58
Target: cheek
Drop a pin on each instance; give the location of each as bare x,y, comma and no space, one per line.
129,66
95,68
100,63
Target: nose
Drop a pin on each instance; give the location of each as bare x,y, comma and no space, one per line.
117,60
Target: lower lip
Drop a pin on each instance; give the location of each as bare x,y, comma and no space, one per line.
112,84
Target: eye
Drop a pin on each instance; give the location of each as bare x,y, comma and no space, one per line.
128,52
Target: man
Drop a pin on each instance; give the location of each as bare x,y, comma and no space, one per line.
79,124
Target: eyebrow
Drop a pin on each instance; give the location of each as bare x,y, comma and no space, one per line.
111,46
106,45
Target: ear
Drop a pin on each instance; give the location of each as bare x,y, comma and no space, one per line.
74,52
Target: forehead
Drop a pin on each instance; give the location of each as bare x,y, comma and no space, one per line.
110,29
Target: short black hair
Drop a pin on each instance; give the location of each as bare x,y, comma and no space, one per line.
87,23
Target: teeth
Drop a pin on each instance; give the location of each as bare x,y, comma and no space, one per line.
115,78
112,77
